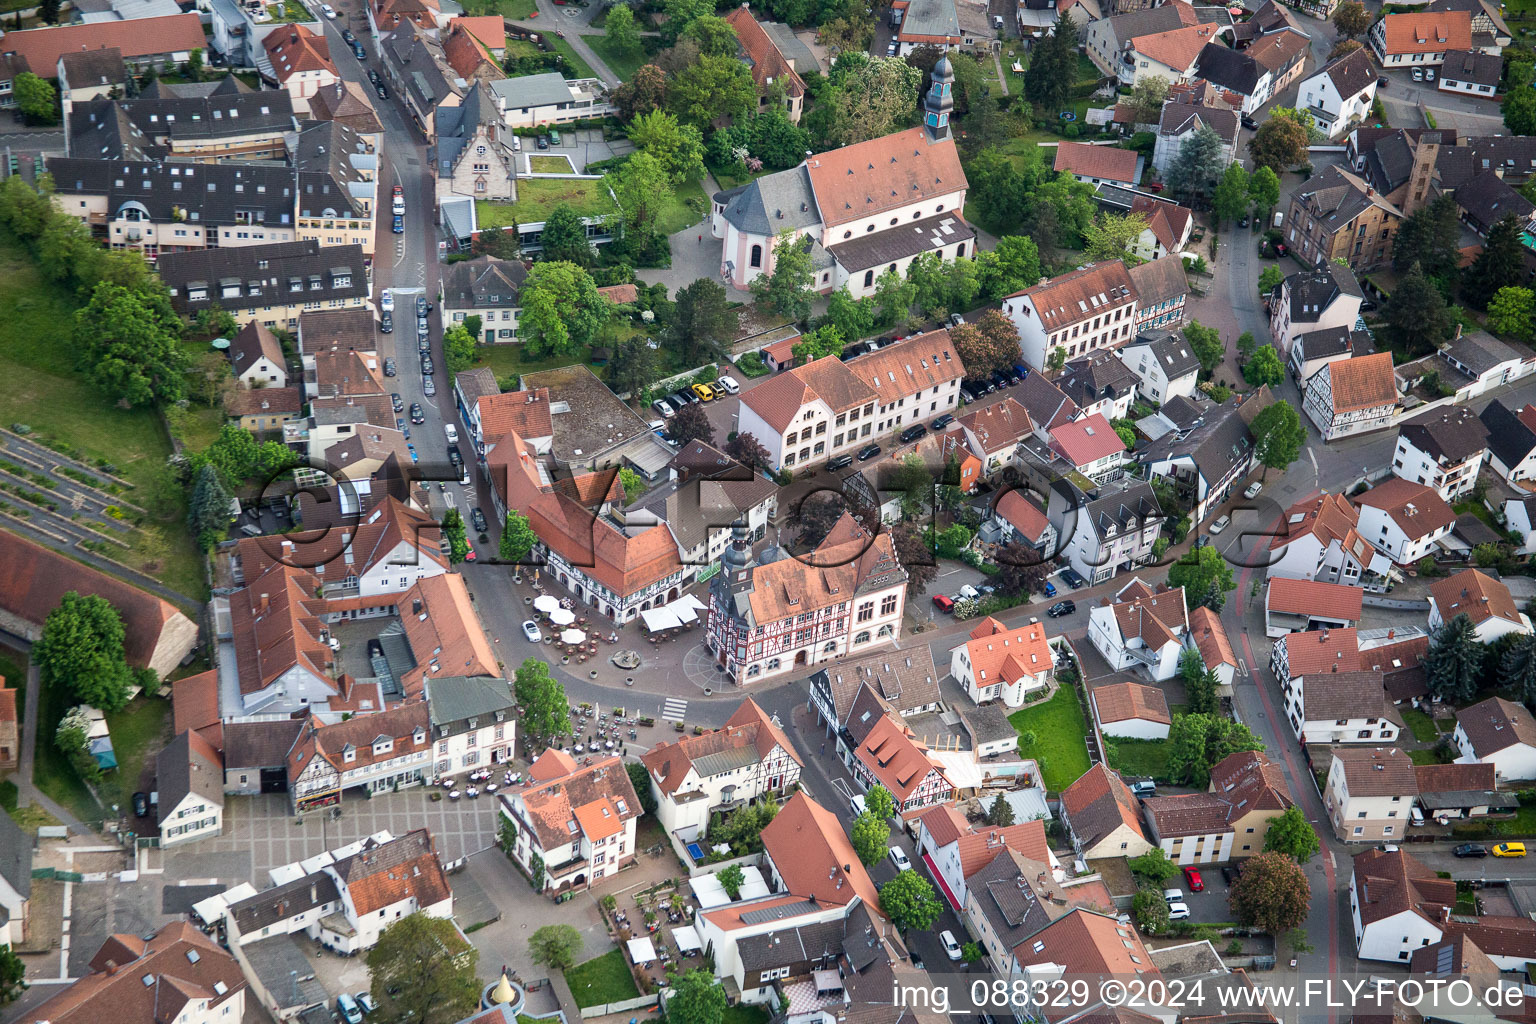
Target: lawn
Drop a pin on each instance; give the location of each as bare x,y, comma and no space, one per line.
1422,725
522,48
744,1013
1140,757
1423,757
31,817
604,979
560,46
509,360
536,197
684,209
46,393
621,62
517,10
51,771
139,731
1059,728
551,165
288,10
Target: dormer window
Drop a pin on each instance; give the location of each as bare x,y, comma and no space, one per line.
349,753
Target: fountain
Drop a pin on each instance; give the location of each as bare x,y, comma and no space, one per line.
504,992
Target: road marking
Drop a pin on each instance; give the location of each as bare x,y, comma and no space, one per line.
673,709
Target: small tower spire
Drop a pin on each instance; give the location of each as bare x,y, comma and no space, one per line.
939,101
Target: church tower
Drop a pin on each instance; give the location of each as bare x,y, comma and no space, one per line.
939,101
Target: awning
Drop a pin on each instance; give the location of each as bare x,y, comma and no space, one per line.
660,618
686,938
933,870
212,909
641,951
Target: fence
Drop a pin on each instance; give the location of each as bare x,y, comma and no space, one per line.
603,1009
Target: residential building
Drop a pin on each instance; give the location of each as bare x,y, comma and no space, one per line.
1020,520
1167,55
906,680
1419,38
1312,301
1476,363
162,42
1101,536
1396,904
488,288
418,71
473,720
998,663
955,850
768,618
255,752
301,61
1471,72
773,70
1443,449
993,433
177,974
1320,540
576,822
1500,733
267,285
1298,605
1520,518
1099,165
1105,38
1163,362
1161,287
383,753
347,104
1080,312
1047,406
257,359
1131,711
189,776
1459,791
828,407
1340,94
529,101
1100,384
1337,216
1328,697
1101,816
156,635
1489,31
696,510
336,172
1369,793
1091,447
1141,628
1192,829
1210,639
474,154
1184,114
899,205
1168,227
1256,794
1352,396
892,755
1082,943
222,123
84,75
1210,459
746,760
1403,519
1249,78
1315,350
1480,597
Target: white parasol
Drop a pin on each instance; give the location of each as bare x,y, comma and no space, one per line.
546,603
562,616
573,636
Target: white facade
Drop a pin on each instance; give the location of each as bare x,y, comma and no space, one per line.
1516,761
727,955
1447,84
1155,383
693,800
1010,687
1342,313
1450,480
263,373
1109,327
1123,654
498,324
1386,535
1201,848
194,818
1392,938
1334,114
1363,818
1097,558
1363,728
1489,629
1131,728
1318,405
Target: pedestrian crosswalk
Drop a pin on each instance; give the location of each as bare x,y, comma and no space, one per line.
674,710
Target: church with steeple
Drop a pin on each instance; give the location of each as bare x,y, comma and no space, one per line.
866,208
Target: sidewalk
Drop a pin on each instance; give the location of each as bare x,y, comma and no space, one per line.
27,793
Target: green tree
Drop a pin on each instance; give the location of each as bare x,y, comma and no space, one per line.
746,449
879,802
1207,345
546,715
1147,98
691,423
1500,264
1154,867
1264,188
564,238
1343,48
208,508
697,998
1230,200
1431,237
1519,106
1200,683
1351,19
1512,313
640,778
682,13
36,98
1293,835
1196,742
517,539
1012,266
1271,892
1205,576
81,650
716,36
871,838
632,482
634,366
67,253
1517,668
620,29
910,902
1197,167
556,946
127,342
731,879
870,97
1453,665
678,147
424,971
1000,815
1150,910
193,68
1112,236
1053,67
645,91
458,349
712,87
1417,314
452,525
48,11
915,485
787,289
702,322
12,976
1278,436
894,296
852,318
562,310
1280,142
1264,367
642,187
1270,279
825,341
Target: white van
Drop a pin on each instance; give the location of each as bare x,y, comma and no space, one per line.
856,804
452,432
350,1011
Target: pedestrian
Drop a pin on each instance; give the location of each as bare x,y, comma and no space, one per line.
701,239
823,746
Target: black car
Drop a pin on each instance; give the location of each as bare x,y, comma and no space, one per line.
396,401
477,520
1242,221
1001,379
416,414
455,456
1471,850
913,432
381,90
386,322
1070,576
1061,608
868,452
979,387
373,76
426,365
1381,82
543,141
942,422
423,307
140,805
389,366
347,37
841,462
359,52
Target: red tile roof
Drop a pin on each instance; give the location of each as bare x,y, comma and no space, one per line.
1211,638
296,49
1080,295
978,846
140,37
769,66
1086,943
195,706
1098,803
868,179
526,412
749,726
1177,48
1333,601
1125,702
383,874
1025,516
999,654
1362,382
814,856
1418,510
1390,881
779,400
1424,32
1106,162
578,797
1474,594
1322,651
894,755
1087,440
999,425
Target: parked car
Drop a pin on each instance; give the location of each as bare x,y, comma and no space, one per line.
422,328
951,947
1252,490
955,319
1144,787
1509,850
387,300
349,1010
685,396
347,36
663,408
366,1002
841,462
428,388
1193,880
359,52
1173,895
414,456
423,307
1049,590
477,520
1381,82
455,456
1429,74
426,365
1418,74
140,805
543,142
1471,850
451,432
1220,523
899,858
328,10
868,452
1061,608
386,322
373,76
397,402
416,414
943,603
913,432
399,225
389,366
397,204
705,392
729,385
966,395
1070,577
1249,123
1178,911
1021,370
942,422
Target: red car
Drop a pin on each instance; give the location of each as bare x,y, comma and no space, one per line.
399,191
943,603
1193,880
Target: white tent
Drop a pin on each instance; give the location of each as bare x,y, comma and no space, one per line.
660,618
686,938
641,951
573,636
212,909
562,616
546,603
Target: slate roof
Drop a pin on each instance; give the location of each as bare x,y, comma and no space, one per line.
252,342
259,744
1496,724
208,191
1482,353
1228,68
1510,438
454,700
484,282
747,738
96,67
1218,444
1119,508
882,247
1175,356
1473,67
1351,73
1045,403
1454,433
1158,281
1179,117
1311,292
282,902
1336,197
282,273
904,679
1098,376
16,857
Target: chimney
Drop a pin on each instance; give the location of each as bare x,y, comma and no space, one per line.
1369,191
111,968
266,602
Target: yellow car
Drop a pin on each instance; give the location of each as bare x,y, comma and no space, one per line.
1509,850
705,392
